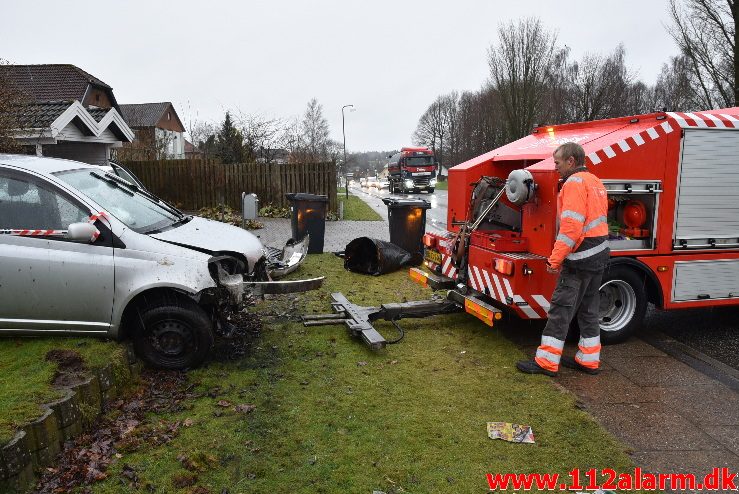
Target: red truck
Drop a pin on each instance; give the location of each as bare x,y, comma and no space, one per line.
673,190
413,169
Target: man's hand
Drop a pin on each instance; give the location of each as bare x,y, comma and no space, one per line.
552,270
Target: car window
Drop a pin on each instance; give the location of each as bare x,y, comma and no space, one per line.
124,175
135,210
29,204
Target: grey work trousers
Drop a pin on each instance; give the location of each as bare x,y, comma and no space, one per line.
577,294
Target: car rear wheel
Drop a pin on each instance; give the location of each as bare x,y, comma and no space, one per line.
174,336
623,304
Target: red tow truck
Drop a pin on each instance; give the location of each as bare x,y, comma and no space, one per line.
673,190
413,169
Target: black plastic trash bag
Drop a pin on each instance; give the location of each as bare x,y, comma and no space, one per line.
372,256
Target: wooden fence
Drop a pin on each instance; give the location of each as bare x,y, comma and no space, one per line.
194,184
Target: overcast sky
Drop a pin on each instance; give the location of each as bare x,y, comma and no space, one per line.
389,58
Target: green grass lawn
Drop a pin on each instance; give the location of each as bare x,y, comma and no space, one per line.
356,209
334,417
26,376
442,185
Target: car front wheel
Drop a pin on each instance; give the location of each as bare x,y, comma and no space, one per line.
174,336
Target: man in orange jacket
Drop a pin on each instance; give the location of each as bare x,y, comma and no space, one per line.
579,256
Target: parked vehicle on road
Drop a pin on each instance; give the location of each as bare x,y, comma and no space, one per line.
85,252
672,181
413,169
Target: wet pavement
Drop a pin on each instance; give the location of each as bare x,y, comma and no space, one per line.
672,417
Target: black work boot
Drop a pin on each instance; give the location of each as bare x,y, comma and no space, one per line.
531,367
571,363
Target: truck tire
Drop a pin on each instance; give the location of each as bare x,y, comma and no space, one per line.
173,335
430,190
623,303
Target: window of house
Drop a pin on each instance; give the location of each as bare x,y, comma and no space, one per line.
169,116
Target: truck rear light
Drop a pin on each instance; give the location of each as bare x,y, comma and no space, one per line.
419,277
429,240
504,266
482,311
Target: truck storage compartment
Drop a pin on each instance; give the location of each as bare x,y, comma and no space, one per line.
632,214
707,202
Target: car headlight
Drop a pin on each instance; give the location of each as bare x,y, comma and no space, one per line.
432,182
409,183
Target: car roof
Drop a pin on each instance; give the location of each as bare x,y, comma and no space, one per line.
42,164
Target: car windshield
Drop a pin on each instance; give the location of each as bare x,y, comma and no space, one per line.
132,208
420,161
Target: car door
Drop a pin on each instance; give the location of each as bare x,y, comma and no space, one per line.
49,283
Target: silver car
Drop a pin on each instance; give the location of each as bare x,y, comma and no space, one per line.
84,252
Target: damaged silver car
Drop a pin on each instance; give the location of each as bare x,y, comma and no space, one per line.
84,252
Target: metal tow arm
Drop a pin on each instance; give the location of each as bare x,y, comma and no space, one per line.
358,319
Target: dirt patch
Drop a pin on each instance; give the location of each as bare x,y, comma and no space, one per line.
129,424
71,367
237,334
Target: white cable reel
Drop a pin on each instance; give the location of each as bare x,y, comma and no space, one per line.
519,188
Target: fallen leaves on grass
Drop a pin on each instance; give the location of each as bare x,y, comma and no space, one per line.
133,424
245,408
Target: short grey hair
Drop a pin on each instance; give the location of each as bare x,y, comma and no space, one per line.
572,149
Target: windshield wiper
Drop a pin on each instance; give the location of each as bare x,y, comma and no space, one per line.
125,183
113,182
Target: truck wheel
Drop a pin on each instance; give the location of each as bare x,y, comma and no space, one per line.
173,336
623,304
430,190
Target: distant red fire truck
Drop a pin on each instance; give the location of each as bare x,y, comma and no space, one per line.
673,190
413,169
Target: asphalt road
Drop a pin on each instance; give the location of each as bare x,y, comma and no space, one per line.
435,217
714,331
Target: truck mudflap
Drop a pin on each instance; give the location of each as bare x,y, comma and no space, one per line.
503,294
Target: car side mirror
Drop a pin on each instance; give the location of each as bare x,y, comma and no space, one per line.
82,232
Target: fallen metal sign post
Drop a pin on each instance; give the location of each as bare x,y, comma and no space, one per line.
359,319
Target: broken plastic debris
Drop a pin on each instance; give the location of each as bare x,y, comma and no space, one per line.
507,431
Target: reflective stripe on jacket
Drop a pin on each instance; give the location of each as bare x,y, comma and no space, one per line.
583,213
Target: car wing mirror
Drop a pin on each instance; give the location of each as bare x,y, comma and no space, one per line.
82,232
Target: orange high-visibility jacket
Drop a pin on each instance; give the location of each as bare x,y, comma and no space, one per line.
583,212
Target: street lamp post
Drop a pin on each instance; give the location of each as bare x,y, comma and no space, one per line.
343,133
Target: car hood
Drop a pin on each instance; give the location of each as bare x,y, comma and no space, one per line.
214,236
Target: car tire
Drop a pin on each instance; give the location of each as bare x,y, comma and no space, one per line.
173,336
623,303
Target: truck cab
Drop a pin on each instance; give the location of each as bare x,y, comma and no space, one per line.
413,170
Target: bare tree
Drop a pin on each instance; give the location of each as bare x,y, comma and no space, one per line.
674,90
12,103
262,136
706,32
437,127
600,86
520,66
315,132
